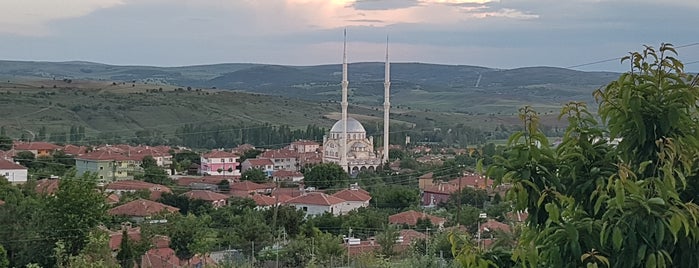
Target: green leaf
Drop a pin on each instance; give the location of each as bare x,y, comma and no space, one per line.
656,201
617,238
650,261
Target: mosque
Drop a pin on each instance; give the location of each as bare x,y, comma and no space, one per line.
347,144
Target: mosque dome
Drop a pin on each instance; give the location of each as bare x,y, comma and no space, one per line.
353,126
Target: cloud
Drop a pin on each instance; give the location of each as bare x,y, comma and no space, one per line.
30,17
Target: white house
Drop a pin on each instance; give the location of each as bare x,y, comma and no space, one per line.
317,203
13,172
354,198
265,165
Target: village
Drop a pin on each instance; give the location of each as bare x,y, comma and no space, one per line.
219,177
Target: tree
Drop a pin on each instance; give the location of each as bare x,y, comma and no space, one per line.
4,261
326,175
593,202
424,224
395,196
288,217
387,240
125,256
190,235
25,158
75,209
5,143
155,174
148,162
254,175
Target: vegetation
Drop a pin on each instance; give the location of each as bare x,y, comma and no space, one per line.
595,203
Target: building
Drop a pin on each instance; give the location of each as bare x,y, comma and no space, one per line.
109,164
38,148
141,209
410,218
304,146
13,172
217,200
263,164
287,176
347,144
355,198
283,159
318,203
219,163
132,186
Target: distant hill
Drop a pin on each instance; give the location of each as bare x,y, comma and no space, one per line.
447,88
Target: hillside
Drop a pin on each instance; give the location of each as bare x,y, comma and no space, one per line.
446,88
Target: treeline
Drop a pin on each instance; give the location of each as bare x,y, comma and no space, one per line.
266,135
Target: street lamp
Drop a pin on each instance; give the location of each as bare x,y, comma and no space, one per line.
480,216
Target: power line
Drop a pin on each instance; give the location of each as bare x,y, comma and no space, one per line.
619,58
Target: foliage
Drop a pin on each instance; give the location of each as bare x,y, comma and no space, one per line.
4,261
5,143
397,197
288,217
326,175
125,256
254,175
424,224
25,158
190,235
96,253
592,202
155,174
148,162
468,196
194,206
387,240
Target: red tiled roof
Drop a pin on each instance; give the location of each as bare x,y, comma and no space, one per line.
104,155
492,225
264,201
410,217
429,175
473,180
141,208
517,216
442,188
137,185
320,199
410,235
160,258
259,162
352,195
286,173
115,237
247,186
280,153
6,164
2,202
46,186
305,142
186,181
220,154
112,199
205,195
292,192
35,145
74,150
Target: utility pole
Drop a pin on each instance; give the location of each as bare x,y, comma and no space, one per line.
427,231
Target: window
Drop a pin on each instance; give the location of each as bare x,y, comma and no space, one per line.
223,160
101,168
305,208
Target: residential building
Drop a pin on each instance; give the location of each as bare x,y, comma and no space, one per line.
47,186
38,148
318,203
248,187
287,175
142,209
283,159
263,164
410,218
354,198
304,146
219,163
217,200
131,186
211,183
109,165
13,172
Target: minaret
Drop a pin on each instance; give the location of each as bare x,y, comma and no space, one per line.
345,84
386,105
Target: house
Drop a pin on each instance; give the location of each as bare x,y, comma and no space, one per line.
317,203
310,159
426,180
304,146
265,165
410,218
354,198
473,180
216,199
38,148
241,149
249,187
264,201
47,186
438,193
112,199
405,240
287,175
74,150
283,159
219,163
141,209
211,183
109,165
115,237
162,256
492,225
13,172
131,186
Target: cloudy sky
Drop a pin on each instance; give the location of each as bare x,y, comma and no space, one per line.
501,34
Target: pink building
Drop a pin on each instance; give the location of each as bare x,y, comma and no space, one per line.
219,163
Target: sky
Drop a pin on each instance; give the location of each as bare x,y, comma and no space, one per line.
498,34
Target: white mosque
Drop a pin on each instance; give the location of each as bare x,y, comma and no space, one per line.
347,144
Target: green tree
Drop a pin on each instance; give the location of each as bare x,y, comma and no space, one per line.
148,162
288,217
387,240
254,175
395,196
190,235
4,261
125,256
326,175
594,203
25,158
5,143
